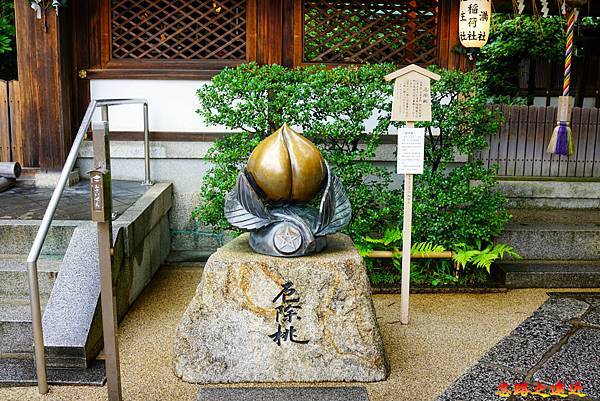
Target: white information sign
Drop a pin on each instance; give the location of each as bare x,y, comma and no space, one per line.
411,150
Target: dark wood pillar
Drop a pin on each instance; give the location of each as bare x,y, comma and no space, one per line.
448,41
270,26
45,82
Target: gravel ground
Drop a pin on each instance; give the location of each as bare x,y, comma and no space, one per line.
447,334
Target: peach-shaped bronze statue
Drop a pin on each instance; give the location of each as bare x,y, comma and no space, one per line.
285,172
287,167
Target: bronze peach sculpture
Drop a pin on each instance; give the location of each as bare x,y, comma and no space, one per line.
272,194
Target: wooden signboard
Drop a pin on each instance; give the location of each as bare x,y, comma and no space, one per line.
412,98
411,102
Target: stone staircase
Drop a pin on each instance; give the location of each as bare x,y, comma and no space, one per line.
15,314
68,277
560,248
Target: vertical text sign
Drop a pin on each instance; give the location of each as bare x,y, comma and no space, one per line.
97,195
412,98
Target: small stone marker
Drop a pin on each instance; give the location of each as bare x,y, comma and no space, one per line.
411,102
260,318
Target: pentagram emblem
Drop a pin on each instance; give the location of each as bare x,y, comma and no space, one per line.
287,239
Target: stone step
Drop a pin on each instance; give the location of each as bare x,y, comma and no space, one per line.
551,273
13,274
17,236
21,372
554,234
15,327
556,193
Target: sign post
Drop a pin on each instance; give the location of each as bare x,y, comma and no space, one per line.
101,203
411,103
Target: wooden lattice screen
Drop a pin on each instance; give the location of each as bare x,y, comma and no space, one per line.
361,31
178,29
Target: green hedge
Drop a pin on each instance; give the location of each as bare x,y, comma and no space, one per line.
451,205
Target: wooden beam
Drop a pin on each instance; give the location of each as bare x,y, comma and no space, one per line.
592,8
5,143
45,83
414,255
270,32
288,30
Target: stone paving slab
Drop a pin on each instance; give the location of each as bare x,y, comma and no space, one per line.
577,360
526,345
562,308
21,372
480,384
558,342
593,318
284,393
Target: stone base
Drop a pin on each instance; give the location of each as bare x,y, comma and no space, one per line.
49,179
225,334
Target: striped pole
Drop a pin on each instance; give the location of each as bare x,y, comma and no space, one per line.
569,51
561,141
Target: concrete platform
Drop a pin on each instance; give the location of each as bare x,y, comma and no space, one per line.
25,202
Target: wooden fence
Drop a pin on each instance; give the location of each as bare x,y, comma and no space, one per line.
11,132
519,148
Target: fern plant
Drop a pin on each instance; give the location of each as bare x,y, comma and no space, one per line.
465,258
392,241
482,257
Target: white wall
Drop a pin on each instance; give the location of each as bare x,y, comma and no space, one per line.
172,104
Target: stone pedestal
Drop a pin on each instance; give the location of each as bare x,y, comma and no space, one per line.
258,318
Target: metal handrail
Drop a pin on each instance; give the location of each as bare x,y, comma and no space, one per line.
34,253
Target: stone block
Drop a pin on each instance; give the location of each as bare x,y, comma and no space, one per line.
285,393
49,179
13,275
229,330
21,372
554,241
16,236
72,333
551,194
15,327
551,274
